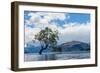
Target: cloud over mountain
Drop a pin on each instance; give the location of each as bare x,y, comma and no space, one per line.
36,21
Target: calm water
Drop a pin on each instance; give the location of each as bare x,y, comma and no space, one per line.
56,56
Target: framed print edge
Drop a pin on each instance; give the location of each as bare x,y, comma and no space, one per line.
15,35
96,36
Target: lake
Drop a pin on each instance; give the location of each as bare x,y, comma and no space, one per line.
56,56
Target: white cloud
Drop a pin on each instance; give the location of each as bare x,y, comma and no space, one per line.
47,17
69,32
78,32
30,33
52,16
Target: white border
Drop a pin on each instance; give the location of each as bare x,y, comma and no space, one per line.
23,64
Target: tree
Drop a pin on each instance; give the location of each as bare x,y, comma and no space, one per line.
47,38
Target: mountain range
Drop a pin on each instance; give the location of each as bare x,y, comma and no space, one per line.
75,46
65,47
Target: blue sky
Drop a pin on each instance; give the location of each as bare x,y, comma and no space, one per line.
79,18
69,24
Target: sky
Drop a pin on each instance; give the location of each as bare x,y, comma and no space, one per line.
71,26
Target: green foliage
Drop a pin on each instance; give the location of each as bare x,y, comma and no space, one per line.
47,38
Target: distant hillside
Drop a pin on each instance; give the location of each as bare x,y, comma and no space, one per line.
75,46
65,47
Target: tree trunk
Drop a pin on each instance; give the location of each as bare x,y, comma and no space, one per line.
40,52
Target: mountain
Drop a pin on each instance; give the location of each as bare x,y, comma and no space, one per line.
74,46
64,47
31,49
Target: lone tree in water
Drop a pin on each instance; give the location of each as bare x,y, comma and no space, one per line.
47,38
